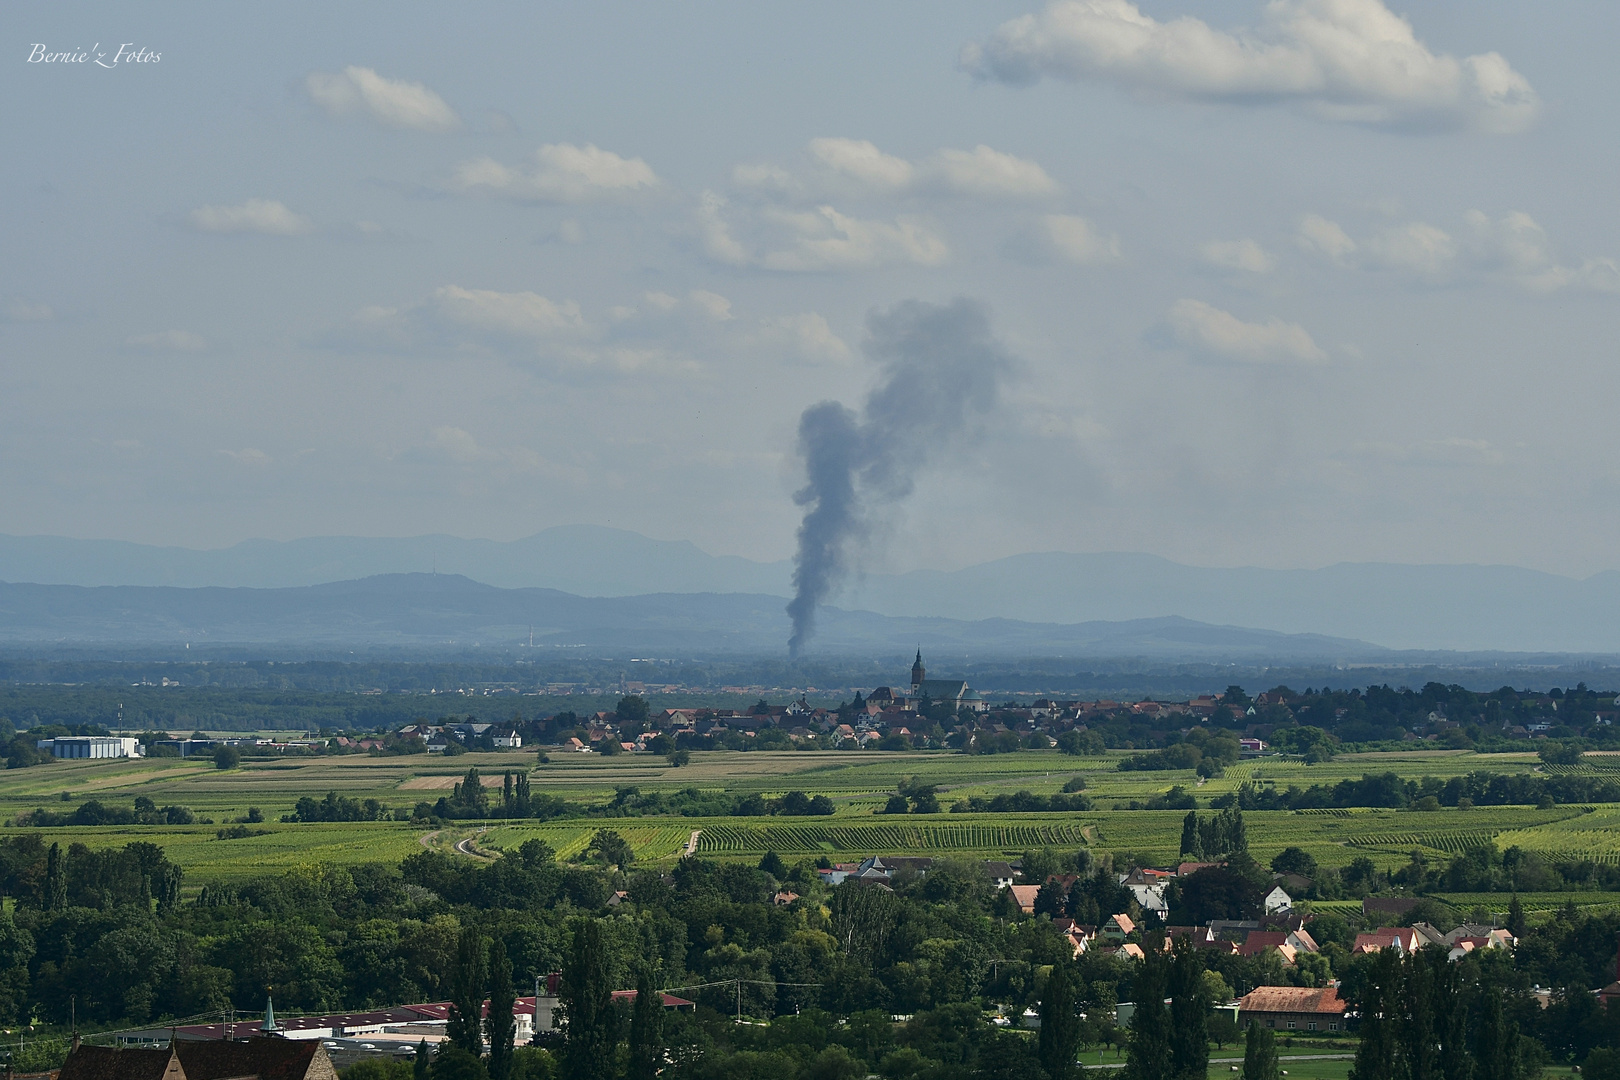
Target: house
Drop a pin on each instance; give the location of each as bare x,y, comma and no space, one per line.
1276,900
1263,941
182,1059
1117,928
574,744
1024,897
1387,906
784,898
1403,939
509,740
1001,873
1187,868
1293,1008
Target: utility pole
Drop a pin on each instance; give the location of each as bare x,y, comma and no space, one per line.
739,1001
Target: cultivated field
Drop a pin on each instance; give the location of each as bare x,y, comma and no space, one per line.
858,782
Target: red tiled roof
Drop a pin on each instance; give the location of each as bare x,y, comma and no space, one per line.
1292,999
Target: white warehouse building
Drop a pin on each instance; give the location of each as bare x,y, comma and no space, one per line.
90,746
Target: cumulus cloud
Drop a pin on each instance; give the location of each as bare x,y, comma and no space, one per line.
1208,329
1517,246
860,160
1344,60
168,341
1077,240
18,309
1244,255
1319,235
360,91
825,239
255,215
249,456
1513,247
659,332
561,173
855,166
1416,247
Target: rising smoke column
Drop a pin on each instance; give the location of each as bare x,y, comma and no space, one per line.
941,371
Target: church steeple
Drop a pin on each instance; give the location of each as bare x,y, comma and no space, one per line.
917,671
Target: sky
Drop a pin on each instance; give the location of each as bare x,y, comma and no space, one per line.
1282,284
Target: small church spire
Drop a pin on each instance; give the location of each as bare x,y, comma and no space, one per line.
918,673
269,1024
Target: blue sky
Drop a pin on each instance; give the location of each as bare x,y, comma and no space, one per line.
1288,284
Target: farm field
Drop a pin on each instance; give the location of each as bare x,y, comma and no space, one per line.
857,782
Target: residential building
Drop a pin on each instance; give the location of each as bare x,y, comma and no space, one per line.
1293,1008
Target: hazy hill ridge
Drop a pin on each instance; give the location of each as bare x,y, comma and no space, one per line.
1424,607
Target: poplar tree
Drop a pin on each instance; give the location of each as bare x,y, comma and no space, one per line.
1189,836
646,1028
1189,1014
422,1067
591,1033
1147,1056
1060,1024
465,1026
1380,1019
1496,1041
55,878
500,1023
1260,1054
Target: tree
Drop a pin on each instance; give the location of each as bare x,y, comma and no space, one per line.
422,1066
1189,1013
773,865
454,1063
1147,1057
55,878
1060,1024
631,709
1260,1054
1380,1020
1496,1044
500,1022
227,757
1189,835
679,758
1293,860
464,1027
646,1028
611,848
591,1028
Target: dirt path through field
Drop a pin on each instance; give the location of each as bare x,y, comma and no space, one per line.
691,842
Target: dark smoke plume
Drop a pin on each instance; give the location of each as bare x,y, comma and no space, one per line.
941,371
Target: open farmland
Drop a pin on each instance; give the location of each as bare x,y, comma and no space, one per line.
857,782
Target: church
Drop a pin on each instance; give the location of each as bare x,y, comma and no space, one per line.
955,691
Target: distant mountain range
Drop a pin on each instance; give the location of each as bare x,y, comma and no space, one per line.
426,610
1459,607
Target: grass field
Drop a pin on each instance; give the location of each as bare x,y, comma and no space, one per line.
858,782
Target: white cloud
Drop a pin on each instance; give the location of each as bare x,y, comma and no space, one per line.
1346,60
519,314
1513,247
1245,255
18,309
1320,236
1209,329
713,305
249,456
458,447
167,341
861,161
1416,247
1077,240
857,167
254,215
1517,246
828,240
718,243
805,337
562,173
359,91
986,172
